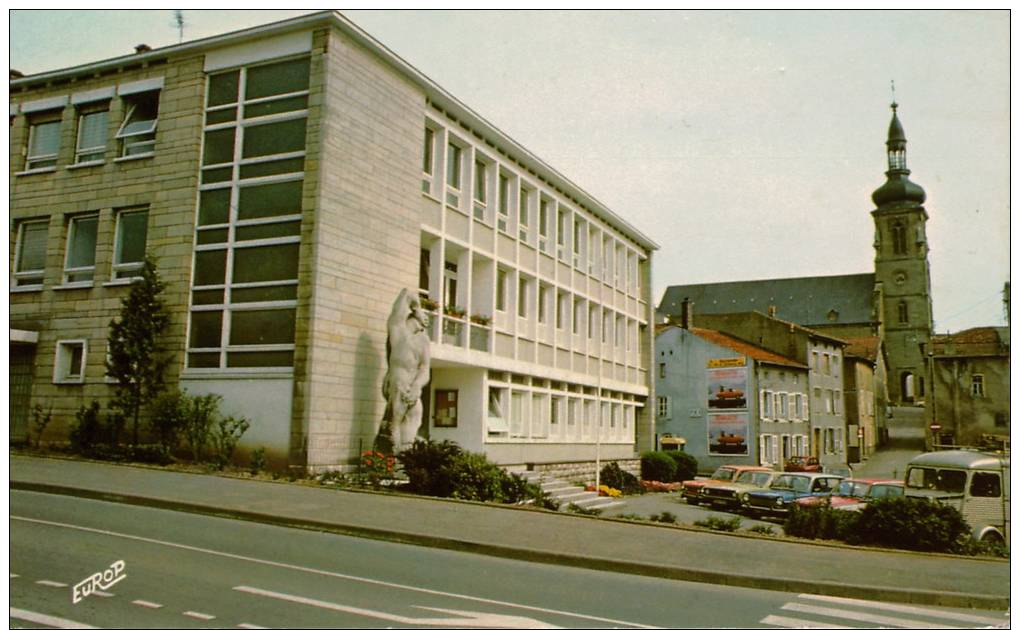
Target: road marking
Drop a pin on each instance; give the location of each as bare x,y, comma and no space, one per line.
198,615
103,594
46,620
792,622
251,626
145,604
913,610
353,578
463,618
860,616
51,583
14,575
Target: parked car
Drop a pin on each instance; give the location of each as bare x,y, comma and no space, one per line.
722,474
975,483
854,494
799,463
787,488
728,495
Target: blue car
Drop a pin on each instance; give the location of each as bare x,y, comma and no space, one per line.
787,488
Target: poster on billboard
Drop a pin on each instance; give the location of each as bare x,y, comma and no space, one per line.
727,433
727,388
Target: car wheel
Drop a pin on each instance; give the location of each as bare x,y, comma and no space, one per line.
692,501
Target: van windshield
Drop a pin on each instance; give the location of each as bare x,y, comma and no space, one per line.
940,479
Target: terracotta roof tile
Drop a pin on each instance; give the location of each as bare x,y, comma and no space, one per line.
756,353
862,348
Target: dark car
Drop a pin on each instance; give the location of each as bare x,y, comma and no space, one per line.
786,489
798,463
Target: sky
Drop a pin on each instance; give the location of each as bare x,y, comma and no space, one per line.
745,143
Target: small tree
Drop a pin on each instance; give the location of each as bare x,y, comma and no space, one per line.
136,360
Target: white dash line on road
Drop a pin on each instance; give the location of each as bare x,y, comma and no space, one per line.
913,610
51,583
251,626
47,620
198,615
14,575
793,622
103,594
146,604
333,574
897,622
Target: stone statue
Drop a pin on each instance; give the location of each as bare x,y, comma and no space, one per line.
407,372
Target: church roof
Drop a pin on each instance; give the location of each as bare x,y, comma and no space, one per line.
810,301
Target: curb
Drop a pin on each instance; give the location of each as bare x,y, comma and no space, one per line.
898,595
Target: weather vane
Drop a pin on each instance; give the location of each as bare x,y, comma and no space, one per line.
892,84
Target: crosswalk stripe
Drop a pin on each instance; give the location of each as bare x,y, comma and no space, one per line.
897,622
792,622
913,610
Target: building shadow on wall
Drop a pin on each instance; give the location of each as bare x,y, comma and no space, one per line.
367,394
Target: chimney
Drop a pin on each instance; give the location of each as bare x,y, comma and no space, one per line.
142,48
686,314
772,311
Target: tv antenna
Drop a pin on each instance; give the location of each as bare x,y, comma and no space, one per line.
179,23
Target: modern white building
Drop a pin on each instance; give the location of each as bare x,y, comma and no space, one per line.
292,179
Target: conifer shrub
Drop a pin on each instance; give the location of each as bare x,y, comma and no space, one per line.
615,477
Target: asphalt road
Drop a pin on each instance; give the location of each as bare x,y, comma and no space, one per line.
176,569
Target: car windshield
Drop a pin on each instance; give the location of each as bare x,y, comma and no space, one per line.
761,479
746,477
723,474
942,480
850,489
789,482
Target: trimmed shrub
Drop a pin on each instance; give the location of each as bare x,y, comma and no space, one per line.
615,477
686,465
665,517
764,530
820,521
657,466
916,524
428,466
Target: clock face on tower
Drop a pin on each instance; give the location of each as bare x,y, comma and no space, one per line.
900,277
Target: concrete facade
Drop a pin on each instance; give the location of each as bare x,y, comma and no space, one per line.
297,180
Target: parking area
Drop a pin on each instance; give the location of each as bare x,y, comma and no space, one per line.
653,503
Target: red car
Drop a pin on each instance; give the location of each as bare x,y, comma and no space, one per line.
798,463
854,494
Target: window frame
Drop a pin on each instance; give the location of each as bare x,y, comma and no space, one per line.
63,358
118,267
49,159
22,278
100,150
977,385
72,227
127,139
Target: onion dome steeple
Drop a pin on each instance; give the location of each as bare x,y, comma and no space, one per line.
898,187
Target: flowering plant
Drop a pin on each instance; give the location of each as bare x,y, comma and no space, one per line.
376,466
606,491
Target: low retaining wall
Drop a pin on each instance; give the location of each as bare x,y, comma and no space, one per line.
577,472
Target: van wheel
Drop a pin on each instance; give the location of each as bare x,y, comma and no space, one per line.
993,538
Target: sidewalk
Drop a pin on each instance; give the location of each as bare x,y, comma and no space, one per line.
645,549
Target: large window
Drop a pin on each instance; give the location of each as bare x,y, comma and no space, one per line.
247,238
137,134
129,243
501,290
30,257
523,210
43,141
428,162
91,145
453,174
80,261
544,210
504,203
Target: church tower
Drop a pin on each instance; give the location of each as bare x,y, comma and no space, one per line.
902,277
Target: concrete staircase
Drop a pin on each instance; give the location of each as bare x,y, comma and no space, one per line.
567,493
